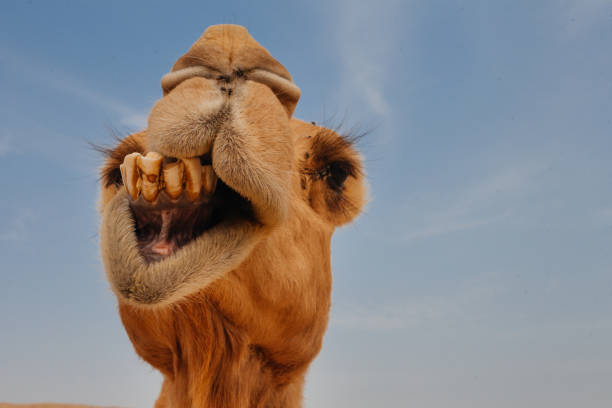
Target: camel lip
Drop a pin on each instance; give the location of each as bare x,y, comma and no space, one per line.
167,279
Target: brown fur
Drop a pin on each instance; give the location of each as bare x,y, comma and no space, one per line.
234,318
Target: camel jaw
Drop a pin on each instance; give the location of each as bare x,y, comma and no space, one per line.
198,263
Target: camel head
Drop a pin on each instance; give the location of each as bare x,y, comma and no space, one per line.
216,227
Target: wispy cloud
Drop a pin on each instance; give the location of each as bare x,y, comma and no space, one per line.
579,15
367,40
5,145
16,228
62,81
490,200
135,121
382,317
464,303
445,223
604,216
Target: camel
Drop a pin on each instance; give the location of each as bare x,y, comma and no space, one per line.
216,224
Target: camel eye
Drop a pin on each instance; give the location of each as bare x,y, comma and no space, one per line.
114,177
338,172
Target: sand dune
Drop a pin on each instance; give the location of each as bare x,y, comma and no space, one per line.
46,405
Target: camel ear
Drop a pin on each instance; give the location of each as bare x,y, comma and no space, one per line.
228,53
333,181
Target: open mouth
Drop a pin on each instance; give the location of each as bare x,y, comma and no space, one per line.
174,201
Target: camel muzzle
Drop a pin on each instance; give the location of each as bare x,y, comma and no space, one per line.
215,176
173,201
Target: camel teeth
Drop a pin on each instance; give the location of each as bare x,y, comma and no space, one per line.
209,180
173,179
129,173
193,177
150,166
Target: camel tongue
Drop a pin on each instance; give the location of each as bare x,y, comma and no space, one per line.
163,246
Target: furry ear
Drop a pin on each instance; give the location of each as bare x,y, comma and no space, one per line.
338,206
332,177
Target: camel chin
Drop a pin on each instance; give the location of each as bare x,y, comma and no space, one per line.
216,228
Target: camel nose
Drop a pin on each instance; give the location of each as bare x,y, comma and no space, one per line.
185,122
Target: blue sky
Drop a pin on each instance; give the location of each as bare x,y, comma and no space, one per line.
480,274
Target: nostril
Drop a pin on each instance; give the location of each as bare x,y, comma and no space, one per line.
206,159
